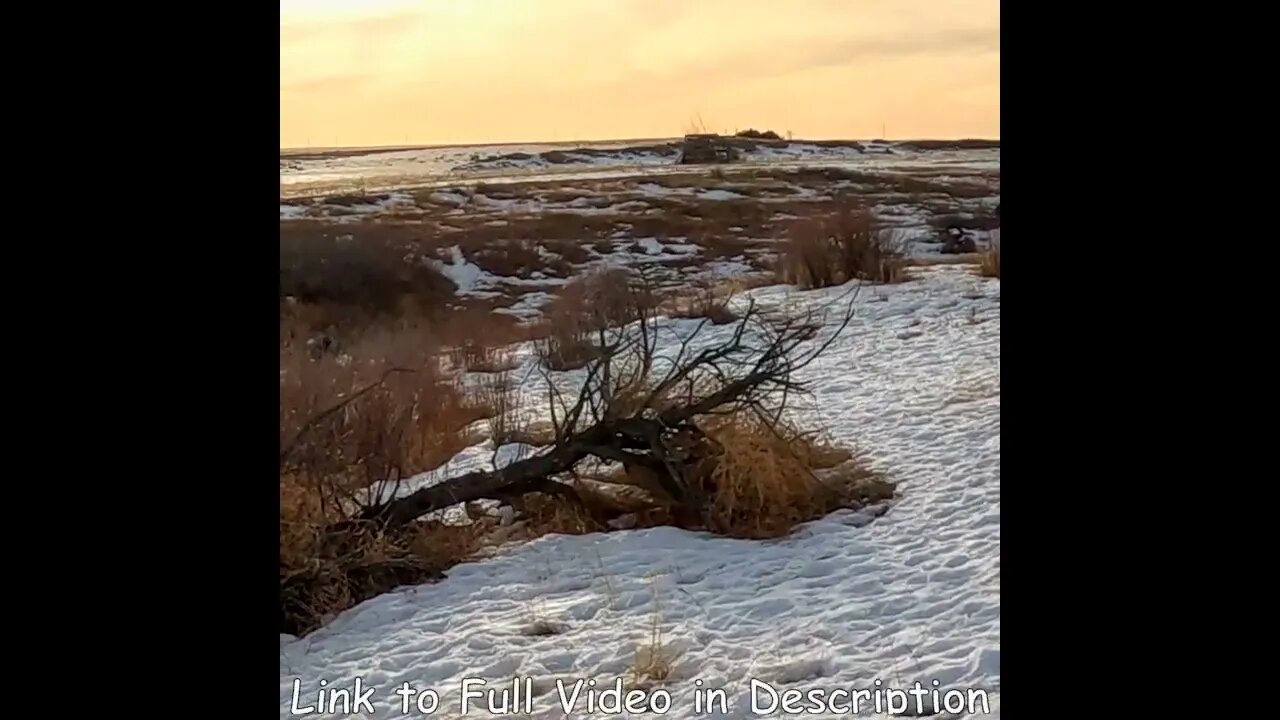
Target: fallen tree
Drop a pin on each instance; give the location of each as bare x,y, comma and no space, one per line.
647,422
694,427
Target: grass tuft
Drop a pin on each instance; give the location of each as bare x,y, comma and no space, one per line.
850,245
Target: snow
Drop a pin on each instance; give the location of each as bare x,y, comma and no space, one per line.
655,190
448,166
796,151
683,248
448,198
465,275
507,205
473,280
727,268
528,306
398,199
846,601
650,245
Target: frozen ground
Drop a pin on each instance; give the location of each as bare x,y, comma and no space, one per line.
317,173
682,226
912,595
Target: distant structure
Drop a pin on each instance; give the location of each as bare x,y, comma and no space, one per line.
753,134
702,148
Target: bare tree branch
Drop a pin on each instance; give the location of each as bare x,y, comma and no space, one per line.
746,370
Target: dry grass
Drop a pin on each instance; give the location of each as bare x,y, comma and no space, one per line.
757,481
935,260
572,251
498,392
568,345
541,627
517,258
705,300
763,480
989,261
412,415
349,426
478,356
654,660
586,306
539,433
982,218
354,273
850,245
319,579
547,515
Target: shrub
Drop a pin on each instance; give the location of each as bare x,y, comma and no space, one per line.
761,480
703,301
585,308
518,258
851,245
374,273
498,392
989,263
475,355
758,135
349,433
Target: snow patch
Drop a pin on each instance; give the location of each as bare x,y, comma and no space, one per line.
912,596
463,274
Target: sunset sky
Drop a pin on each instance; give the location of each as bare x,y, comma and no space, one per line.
392,72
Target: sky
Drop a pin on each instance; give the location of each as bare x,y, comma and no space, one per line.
394,72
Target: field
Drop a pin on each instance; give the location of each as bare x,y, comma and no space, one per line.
825,328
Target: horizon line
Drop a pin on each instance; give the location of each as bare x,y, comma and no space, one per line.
434,146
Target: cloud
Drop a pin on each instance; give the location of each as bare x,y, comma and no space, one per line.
801,55
940,43
309,30
345,83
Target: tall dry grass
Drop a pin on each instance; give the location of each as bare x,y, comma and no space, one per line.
765,479
849,245
352,429
989,262
705,299
351,276
585,308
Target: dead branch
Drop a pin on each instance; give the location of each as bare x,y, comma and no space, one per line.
751,369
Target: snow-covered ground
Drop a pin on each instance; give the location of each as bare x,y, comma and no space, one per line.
964,194
845,603
303,174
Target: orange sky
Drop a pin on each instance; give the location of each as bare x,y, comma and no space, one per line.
390,72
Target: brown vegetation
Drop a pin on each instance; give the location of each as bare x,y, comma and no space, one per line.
349,432
966,144
701,443
354,274
704,300
517,258
851,245
989,263
758,135
587,307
